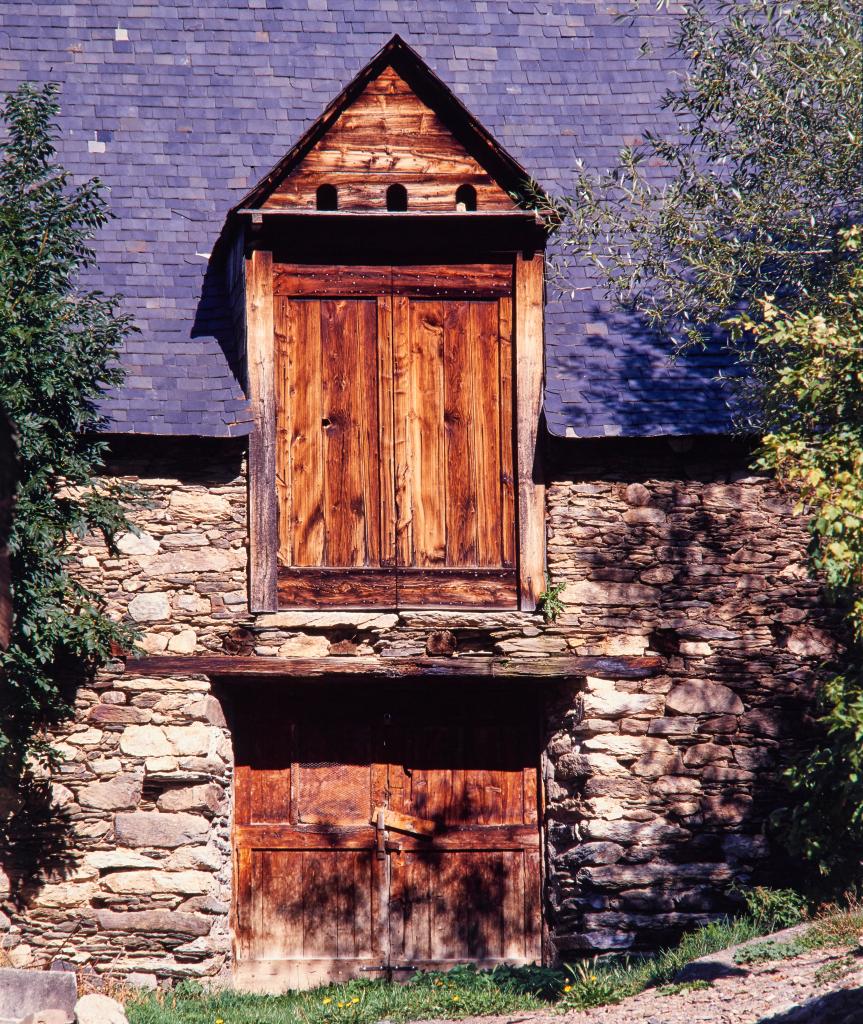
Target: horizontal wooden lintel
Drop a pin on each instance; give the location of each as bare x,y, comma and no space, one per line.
473,667
530,216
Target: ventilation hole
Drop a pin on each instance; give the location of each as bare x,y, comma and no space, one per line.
397,198
327,197
465,198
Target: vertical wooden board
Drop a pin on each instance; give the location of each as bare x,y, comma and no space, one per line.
530,787
425,433
529,376
281,905
242,891
256,906
485,876
305,365
484,362
411,914
401,340
513,939
460,382
344,526
532,906
320,904
283,401
263,515
366,416
450,910
386,436
266,795
507,464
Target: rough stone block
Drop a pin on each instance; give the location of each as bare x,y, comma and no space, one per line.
23,992
119,793
99,1009
701,698
158,882
168,922
150,608
155,829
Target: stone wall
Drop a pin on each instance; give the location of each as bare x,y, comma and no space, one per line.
656,791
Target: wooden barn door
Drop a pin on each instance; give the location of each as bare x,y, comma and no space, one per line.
384,833
394,442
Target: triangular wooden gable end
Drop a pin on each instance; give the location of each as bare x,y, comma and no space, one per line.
396,123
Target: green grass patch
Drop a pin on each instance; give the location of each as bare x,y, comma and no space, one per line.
680,987
461,992
763,952
466,991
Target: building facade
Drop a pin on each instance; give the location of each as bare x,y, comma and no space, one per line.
375,454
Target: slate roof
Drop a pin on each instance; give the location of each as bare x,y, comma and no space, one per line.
181,107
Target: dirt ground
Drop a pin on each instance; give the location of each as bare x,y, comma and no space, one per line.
801,990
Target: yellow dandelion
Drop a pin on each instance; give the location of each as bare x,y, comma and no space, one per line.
324,1002
567,988
341,1006
356,999
219,1020
593,977
455,999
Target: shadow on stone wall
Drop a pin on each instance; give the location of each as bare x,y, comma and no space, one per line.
36,839
661,793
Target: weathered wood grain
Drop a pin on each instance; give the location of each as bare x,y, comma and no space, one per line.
529,381
263,509
388,135
473,667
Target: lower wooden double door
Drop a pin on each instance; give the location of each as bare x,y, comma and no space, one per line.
382,830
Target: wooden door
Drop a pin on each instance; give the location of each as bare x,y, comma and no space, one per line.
383,832
394,465
455,503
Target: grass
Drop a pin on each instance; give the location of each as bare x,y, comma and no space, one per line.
461,992
468,992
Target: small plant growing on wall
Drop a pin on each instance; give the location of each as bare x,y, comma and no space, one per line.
58,354
549,602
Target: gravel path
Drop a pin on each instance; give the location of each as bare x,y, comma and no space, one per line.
778,992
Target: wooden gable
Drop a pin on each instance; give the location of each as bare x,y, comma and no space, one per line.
389,136
396,124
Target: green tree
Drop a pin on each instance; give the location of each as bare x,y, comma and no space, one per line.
58,353
744,225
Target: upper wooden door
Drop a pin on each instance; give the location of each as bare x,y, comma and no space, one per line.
385,832
394,465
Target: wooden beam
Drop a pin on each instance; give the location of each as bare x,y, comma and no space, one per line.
472,667
528,403
263,522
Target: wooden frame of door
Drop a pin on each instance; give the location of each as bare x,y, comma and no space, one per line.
527,339
420,845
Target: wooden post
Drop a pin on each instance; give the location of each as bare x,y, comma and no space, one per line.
263,521
528,390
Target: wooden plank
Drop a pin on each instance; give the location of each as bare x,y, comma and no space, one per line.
405,822
426,451
306,453
335,837
321,280
507,463
473,280
349,426
529,382
484,362
263,512
281,905
346,588
458,415
474,667
462,587
285,347
386,438
401,405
